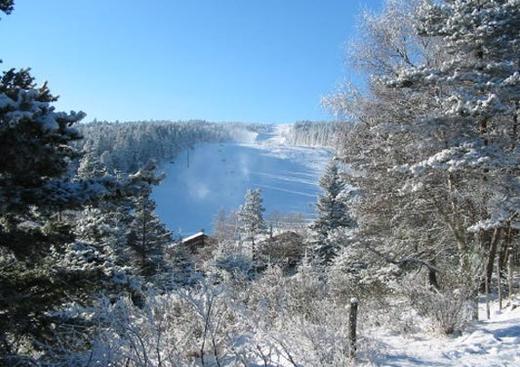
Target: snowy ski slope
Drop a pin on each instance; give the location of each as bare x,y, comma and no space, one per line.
216,176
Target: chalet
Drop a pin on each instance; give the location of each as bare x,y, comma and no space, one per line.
195,241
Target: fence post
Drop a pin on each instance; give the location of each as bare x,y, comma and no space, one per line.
486,290
510,275
352,324
499,276
509,265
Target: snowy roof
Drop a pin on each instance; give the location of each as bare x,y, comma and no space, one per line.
193,236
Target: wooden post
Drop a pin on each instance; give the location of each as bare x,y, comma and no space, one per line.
475,299
352,325
510,274
510,264
499,277
486,286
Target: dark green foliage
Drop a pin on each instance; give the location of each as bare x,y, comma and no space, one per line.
6,6
33,144
42,264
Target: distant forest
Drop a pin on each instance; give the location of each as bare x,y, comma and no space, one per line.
127,146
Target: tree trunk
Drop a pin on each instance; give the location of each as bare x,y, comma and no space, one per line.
352,326
475,301
499,277
486,290
509,263
491,257
432,277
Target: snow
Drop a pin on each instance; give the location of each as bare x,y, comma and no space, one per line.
189,238
494,342
218,176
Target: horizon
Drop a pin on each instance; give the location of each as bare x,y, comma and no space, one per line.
254,62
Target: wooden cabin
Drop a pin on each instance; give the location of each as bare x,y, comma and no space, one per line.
196,241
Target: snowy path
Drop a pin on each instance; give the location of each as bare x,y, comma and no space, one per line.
491,343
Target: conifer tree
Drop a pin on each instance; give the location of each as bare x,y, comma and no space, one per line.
148,237
476,87
105,224
43,266
251,218
332,213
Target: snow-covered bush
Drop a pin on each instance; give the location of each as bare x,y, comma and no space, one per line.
175,329
357,271
285,249
235,265
296,317
447,309
273,320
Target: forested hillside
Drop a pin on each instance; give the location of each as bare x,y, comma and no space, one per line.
126,146
312,133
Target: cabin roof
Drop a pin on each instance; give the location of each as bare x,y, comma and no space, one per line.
193,236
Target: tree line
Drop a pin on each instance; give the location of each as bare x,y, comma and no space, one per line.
127,146
433,147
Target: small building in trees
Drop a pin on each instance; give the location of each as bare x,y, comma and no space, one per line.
195,241
196,249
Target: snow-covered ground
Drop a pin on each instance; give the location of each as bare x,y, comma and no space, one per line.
494,342
216,176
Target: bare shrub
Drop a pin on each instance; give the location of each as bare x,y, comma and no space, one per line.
448,309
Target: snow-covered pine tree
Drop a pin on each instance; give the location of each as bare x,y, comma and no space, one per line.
148,237
393,228
477,92
332,214
90,167
42,265
435,140
105,224
251,217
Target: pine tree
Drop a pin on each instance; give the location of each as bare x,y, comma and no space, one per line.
90,167
332,213
148,237
435,141
251,218
477,88
42,265
104,226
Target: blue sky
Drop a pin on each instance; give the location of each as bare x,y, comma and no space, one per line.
219,60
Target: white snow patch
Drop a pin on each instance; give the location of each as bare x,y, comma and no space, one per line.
494,342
